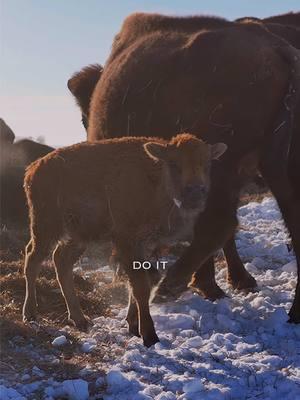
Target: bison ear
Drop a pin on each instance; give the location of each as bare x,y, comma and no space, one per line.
217,150
156,151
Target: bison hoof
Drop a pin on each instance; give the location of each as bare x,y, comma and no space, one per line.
247,282
210,292
151,340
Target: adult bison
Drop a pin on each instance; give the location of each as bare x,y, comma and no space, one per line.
83,83
223,81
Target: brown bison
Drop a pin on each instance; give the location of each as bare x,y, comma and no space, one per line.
139,192
82,86
287,26
222,81
15,156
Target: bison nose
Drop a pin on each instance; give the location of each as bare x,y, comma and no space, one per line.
193,195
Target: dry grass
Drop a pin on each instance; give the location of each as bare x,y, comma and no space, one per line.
12,243
95,299
15,337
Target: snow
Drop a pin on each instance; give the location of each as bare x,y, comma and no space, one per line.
237,348
60,341
193,386
10,393
76,389
89,345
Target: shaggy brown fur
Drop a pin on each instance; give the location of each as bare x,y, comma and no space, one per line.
137,192
291,18
229,83
82,83
286,26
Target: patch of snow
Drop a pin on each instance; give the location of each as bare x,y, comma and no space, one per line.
237,348
60,341
76,389
88,345
193,386
10,393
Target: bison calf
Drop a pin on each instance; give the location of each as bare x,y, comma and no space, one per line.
137,192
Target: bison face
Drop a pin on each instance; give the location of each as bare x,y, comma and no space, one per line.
187,161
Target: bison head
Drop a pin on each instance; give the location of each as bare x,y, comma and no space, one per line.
82,85
187,162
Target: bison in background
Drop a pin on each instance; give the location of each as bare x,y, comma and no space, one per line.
6,134
15,157
235,82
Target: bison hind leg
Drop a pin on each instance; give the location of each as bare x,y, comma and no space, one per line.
35,253
64,256
203,282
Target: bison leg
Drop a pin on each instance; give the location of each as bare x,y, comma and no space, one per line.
141,292
35,253
294,312
132,316
285,192
140,286
203,282
64,257
132,311
215,225
237,274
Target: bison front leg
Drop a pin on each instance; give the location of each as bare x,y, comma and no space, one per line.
237,275
204,283
132,316
141,292
140,289
215,225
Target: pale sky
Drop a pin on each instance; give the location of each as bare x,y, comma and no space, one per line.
43,42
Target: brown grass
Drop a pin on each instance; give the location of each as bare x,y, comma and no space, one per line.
95,299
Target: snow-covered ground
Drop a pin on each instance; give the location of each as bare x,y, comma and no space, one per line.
238,348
